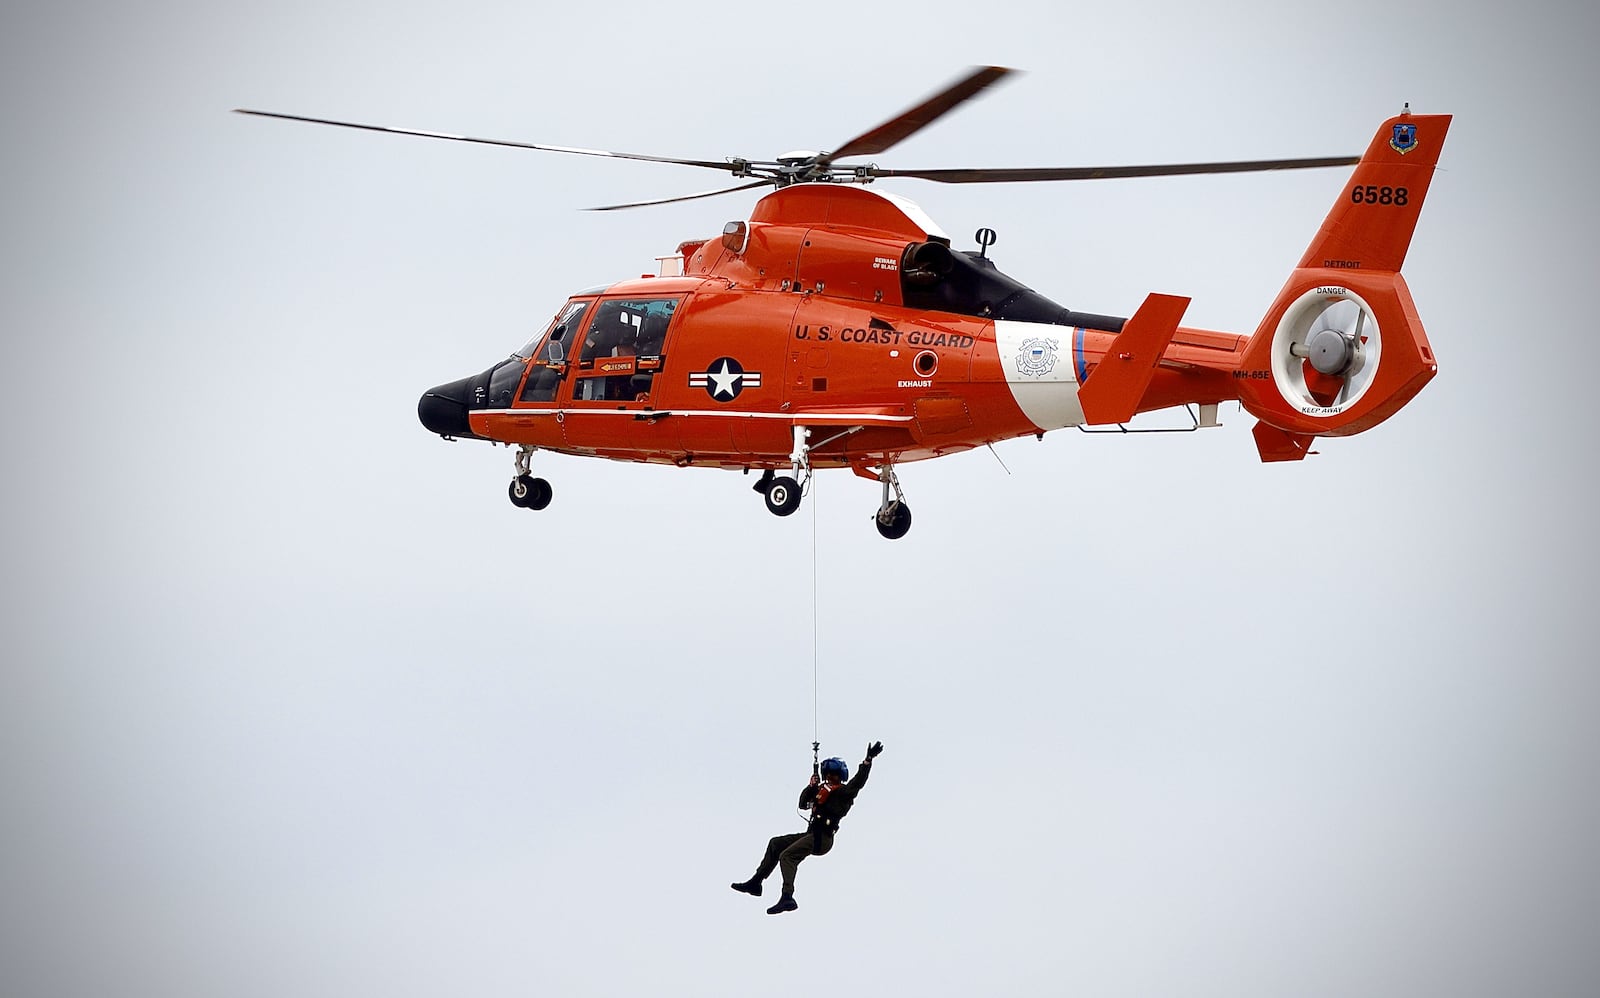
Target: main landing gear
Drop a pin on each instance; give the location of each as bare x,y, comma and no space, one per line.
527,491
784,492
781,492
894,516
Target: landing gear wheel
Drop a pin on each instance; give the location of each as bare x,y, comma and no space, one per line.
783,496
529,492
894,520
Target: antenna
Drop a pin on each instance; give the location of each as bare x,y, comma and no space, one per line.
986,238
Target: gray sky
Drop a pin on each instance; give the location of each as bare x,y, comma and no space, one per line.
294,702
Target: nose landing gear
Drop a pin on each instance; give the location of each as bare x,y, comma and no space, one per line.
527,491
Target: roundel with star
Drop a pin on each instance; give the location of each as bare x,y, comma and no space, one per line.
724,378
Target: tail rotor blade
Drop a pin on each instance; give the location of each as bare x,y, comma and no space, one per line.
1357,359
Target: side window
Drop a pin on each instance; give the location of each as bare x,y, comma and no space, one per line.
551,352
623,349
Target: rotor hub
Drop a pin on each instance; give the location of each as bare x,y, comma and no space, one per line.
1330,351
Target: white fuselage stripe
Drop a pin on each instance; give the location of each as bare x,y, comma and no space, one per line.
1038,362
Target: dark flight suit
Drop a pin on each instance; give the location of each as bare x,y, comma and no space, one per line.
786,851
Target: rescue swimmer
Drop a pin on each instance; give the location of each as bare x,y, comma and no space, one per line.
829,798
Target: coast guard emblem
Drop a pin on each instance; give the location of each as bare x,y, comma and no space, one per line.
1404,139
1037,357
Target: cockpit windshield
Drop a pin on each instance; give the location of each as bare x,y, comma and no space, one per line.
554,345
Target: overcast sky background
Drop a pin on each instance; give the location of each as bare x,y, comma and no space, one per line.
294,702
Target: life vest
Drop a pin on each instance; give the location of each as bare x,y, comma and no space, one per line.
823,790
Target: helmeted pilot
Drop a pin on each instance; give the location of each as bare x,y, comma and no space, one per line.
829,798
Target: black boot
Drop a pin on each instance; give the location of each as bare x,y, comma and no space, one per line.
785,903
751,887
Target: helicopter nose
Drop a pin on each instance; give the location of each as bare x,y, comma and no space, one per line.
443,410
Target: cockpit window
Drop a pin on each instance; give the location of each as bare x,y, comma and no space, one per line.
550,351
554,345
629,328
623,349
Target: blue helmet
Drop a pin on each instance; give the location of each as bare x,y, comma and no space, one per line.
835,767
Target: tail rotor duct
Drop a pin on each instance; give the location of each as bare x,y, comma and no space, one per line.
1326,351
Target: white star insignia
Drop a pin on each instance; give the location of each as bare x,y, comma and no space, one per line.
725,381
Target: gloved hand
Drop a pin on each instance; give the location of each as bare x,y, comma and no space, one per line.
874,749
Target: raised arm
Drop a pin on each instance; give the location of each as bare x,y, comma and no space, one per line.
865,769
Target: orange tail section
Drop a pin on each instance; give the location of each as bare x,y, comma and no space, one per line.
1342,348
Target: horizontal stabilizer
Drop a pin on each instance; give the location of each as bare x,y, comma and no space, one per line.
1112,391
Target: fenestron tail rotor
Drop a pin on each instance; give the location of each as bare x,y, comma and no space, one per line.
1326,350
825,167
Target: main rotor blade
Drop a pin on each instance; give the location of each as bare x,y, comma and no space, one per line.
1027,174
686,197
914,119
707,164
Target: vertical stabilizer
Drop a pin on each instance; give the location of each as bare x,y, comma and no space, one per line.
1342,348
1371,225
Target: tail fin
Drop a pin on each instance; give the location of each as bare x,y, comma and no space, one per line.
1342,348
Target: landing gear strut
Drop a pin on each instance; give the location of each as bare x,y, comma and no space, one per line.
894,516
782,492
527,491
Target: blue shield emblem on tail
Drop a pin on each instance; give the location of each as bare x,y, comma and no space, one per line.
1404,139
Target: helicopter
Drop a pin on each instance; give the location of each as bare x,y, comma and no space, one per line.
837,326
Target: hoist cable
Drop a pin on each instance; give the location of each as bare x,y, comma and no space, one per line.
816,744
814,713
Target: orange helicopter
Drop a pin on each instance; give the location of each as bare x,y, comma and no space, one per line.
837,327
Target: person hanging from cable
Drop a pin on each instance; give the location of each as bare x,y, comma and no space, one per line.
829,798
